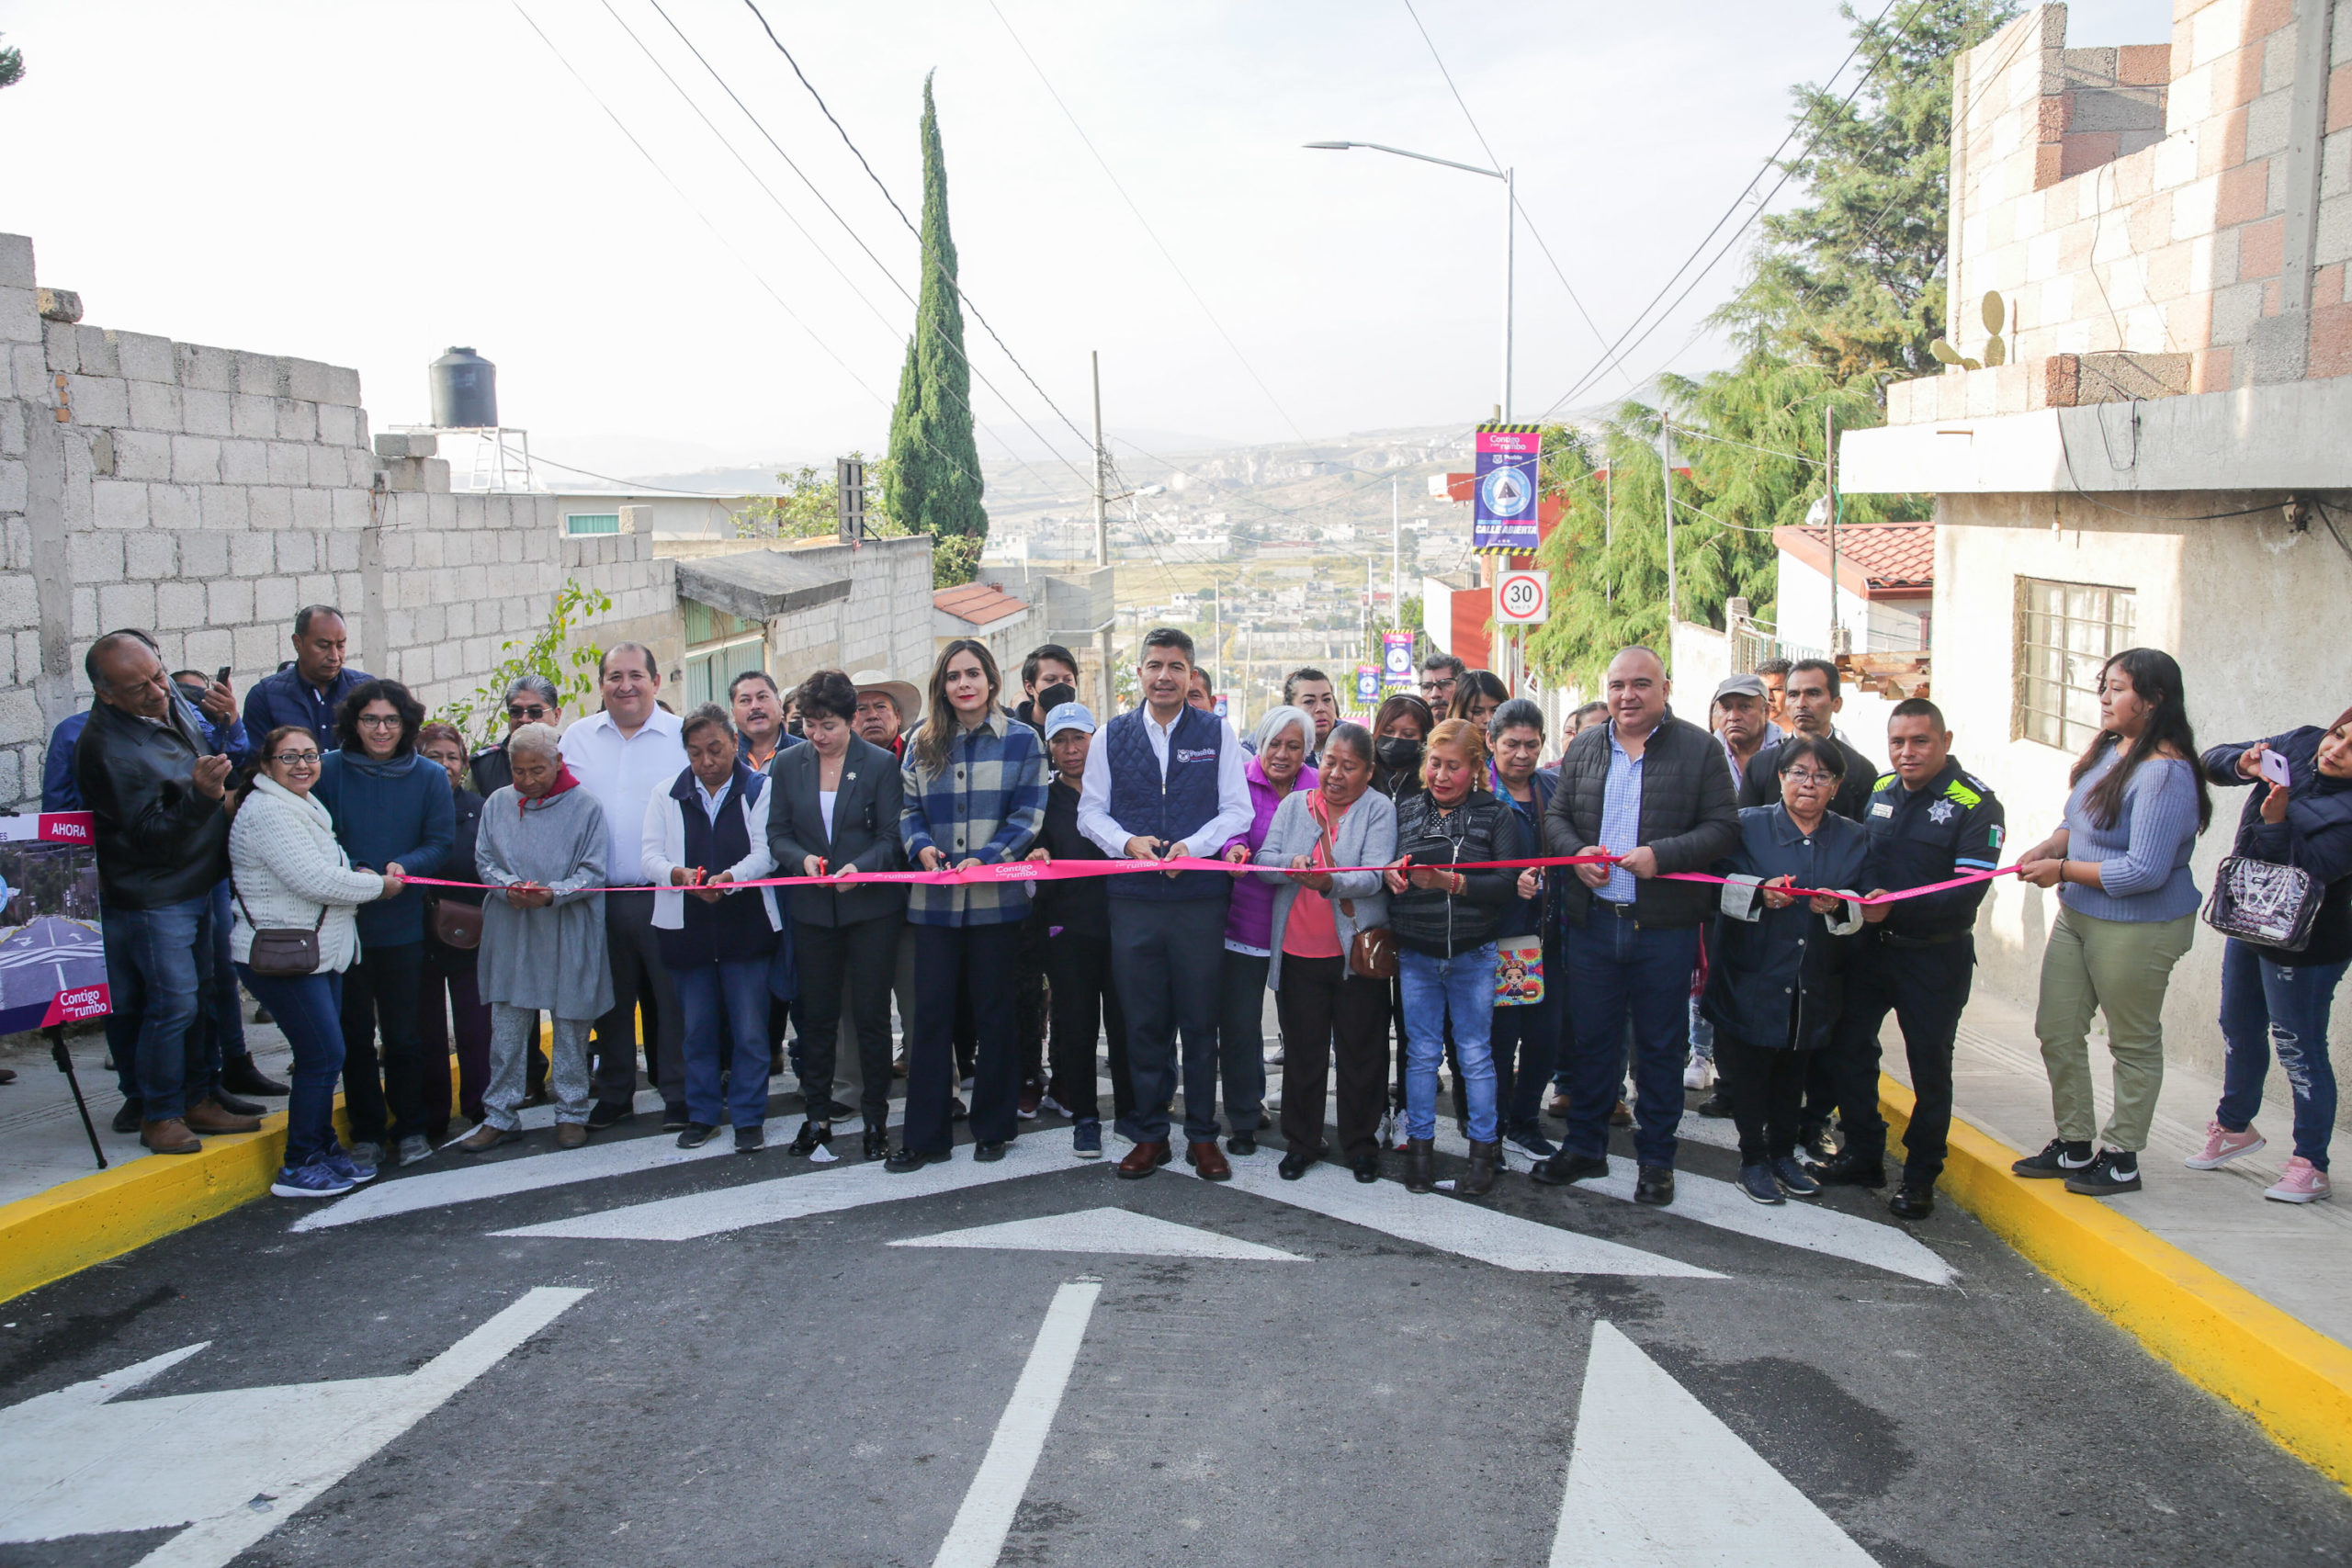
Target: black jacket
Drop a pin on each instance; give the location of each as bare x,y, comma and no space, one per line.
1689,818
492,769
866,831
1761,783
1082,904
2316,836
1437,924
1779,980
160,842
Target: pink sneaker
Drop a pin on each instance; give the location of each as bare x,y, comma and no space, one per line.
2303,1183
2221,1145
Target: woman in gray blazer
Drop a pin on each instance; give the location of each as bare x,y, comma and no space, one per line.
1328,1011
835,808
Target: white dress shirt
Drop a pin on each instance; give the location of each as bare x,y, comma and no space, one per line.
1234,812
623,773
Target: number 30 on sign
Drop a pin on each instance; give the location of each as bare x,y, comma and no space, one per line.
1523,598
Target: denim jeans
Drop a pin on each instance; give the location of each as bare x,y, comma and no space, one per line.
226,1016
725,1008
158,963
1463,988
308,1008
1619,969
2267,1006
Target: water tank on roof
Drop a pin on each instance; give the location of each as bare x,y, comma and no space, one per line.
465,391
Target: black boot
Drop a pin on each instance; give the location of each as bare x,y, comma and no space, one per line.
812,1135
877,1141
239,1075
1484,1160
1852,1168
1421,1165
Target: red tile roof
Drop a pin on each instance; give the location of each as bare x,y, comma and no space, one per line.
979,602
1893,559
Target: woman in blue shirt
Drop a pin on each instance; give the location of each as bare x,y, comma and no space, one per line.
2127,911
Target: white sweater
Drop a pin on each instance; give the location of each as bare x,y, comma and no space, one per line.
287,867
664,844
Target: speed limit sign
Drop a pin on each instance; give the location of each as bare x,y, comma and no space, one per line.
1523,598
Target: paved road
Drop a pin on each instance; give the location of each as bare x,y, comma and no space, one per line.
622,1355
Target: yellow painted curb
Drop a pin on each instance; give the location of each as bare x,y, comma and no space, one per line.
2289,1377
110,1212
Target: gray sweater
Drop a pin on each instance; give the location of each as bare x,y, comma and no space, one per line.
2144,856
1366,836
552,959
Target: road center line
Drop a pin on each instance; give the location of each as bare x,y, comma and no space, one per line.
977,1538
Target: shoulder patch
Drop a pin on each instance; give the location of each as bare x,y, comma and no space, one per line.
1961,793
1884,780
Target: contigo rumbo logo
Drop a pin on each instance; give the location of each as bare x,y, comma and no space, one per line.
78,1004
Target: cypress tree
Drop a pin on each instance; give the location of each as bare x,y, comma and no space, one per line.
934,478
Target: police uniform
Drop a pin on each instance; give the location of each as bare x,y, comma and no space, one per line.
1918,963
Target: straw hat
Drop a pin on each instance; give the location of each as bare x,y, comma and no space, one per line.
903,696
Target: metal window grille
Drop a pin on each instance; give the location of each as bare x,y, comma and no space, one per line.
577,522
2065,634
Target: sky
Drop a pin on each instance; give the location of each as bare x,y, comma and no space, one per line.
369,182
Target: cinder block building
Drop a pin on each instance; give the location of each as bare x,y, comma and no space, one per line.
205,494
2157,452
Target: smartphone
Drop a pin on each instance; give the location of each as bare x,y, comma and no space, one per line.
2274,768
220,676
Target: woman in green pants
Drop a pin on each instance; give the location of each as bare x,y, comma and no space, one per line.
2127,912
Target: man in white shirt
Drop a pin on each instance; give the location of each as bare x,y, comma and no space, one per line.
624,755
1166,779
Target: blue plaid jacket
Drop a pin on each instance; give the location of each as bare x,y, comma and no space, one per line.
987,803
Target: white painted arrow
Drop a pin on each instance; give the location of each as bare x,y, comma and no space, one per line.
1106,1230
1657,1480
231,1466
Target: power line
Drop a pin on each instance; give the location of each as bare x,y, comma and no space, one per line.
1165,253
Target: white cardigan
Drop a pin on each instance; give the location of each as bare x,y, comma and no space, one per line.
665,842
287,867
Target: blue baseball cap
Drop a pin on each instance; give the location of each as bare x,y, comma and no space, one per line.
1069,715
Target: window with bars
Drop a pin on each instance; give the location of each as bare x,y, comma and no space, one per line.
2065,634
577,522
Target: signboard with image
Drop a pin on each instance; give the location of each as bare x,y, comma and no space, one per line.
52,962
1503,498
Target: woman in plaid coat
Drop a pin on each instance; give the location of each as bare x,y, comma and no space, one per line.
975,794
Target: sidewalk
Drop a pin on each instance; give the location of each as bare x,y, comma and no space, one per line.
2297,1257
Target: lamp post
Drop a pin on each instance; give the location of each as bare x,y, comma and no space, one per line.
1510,228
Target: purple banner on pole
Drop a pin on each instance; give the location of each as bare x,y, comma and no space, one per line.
1503,516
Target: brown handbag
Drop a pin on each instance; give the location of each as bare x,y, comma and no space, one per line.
283,950
1371,953
456,925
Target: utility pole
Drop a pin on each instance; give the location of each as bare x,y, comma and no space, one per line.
1665,464
1102,465
1396,557
1829,481
1510,236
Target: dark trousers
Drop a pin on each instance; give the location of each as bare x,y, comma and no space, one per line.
855,962
1330,1016
158,963
309,1009
1926,987
450,1004
226,1016
1086,1007
953,961
639,980
1766,1087
384,1097
1166,956
1241,1040
1029,1017
1620,969
1525,1043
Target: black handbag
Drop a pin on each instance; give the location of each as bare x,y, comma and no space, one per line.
283,950
2264,903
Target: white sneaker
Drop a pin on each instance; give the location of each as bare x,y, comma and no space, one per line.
2303,1183
2221,1145
1700,1074
1274,1055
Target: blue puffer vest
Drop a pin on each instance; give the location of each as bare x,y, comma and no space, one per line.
1142,804
735,927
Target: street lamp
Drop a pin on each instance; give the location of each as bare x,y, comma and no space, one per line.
1510,227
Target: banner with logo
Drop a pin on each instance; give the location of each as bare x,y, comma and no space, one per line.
1367,685
1503,501
52,963
1396,659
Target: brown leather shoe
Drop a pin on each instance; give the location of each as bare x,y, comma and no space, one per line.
484,1138
1209,1160
1145,1158
1622,1116
210,1116
1486,1160
169,1137
571,1134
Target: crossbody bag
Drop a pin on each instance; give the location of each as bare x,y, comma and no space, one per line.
1370,953
283,950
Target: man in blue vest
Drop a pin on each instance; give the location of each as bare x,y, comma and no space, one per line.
1167,781
309,690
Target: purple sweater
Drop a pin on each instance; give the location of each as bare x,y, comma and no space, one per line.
1250,919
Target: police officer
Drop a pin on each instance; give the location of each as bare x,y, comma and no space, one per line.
1929,821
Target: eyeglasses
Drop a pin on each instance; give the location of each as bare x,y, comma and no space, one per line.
533,711
380,720
1436,685
1802,776
295,759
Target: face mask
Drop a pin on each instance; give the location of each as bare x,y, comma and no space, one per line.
1396,753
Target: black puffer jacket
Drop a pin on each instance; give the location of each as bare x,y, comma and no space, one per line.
1689,816
1439,925
160,841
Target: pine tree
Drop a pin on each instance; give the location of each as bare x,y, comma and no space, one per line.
934,485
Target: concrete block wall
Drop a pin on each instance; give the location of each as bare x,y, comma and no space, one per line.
204,494
2178,245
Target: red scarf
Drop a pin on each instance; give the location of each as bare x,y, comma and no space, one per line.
563,781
